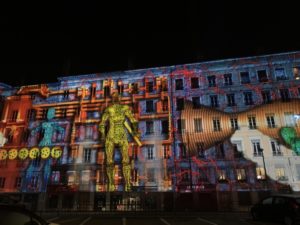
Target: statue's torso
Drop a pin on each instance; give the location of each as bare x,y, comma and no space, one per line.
116,122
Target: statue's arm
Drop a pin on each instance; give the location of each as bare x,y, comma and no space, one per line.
130,116
104,118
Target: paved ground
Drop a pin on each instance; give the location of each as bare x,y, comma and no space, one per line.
200,219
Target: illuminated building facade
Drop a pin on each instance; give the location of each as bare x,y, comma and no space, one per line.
202,130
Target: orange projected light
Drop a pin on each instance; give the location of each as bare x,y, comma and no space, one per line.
209,135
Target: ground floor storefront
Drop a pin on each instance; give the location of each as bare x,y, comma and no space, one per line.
141,201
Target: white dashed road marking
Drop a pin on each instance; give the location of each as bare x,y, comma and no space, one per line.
206,221
164,221
85,221
52,219
124,221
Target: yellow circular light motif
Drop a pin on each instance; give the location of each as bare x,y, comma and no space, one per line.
56,152
45,152
12,153
3,154
34,153
23,153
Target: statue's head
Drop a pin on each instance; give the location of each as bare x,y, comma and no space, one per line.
116,98
288,134
51,113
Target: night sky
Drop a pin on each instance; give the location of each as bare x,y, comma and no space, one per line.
40,43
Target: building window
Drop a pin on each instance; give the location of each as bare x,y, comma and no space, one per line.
275,148
120,87
182,149
37,161
64,113
296,72
298,171
149,127
241,174
106,91
44,114
2,182
30,115
211,81
85,177
165,105
290,120
280,74
55,177
149,86
248,98
166,151
87,155
149,106
18,182
151,175
164,126
89,132
179,104
214,101
252,122
230,100
185,175
220,153
25,135
222,175
180,125
262,75
245,79
284,94
234,123
200,149
150,152
134,88
34,181
237,148
216,124
260,173
71,178
196,102
256,148
266,96
14,116
178,84
194,82
270,121
202,177
280,174
66,94
228,79
198,125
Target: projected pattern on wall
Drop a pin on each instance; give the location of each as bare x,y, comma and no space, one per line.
202,128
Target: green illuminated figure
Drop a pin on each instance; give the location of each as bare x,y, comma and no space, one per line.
116,115
288,134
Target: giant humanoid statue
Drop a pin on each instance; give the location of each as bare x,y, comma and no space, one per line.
116,115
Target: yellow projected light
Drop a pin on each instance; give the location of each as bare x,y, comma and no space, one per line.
45,152
33,153
56,152
12,153
23,153
3,154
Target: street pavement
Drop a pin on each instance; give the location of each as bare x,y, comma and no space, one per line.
199,219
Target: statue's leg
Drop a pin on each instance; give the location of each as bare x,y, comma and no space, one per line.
126,165
110,168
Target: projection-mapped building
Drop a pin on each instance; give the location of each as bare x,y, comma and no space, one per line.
204,136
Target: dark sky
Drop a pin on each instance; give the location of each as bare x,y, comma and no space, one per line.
40,43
